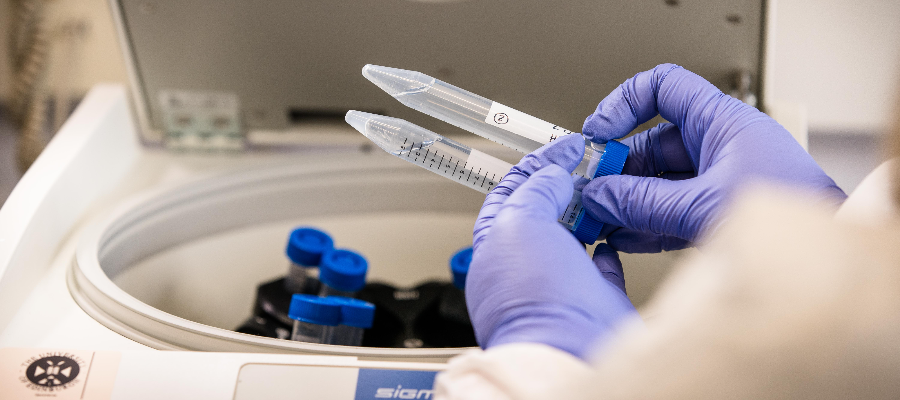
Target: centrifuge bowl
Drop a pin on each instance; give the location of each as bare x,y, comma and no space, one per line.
177,267
370,193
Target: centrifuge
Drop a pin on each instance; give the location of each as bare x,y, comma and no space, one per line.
135,246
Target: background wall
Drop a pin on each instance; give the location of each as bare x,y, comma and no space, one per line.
5,73
84,46
842,59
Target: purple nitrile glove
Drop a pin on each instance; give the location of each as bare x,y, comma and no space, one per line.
530,280
680,176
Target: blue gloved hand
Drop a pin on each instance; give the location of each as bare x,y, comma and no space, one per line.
530,280
680,176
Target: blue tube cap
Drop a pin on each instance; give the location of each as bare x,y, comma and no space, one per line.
355,312
306,245
459,267
344,270
315,310
587,229
612,160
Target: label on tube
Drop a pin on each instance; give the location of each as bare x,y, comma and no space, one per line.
522,124
493,167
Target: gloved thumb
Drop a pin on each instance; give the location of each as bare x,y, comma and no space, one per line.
545,195
607,261
654,205
567,152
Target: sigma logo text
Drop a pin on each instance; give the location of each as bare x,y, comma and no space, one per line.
402,393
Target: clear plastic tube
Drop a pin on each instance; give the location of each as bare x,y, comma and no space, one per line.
474,113
347,335
297,279
305,248
314,318
326,291
443,156
312,333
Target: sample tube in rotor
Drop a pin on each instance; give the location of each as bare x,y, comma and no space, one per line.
452,305
481,116
459,267
455,161
342,273
315,318
356,316
305,248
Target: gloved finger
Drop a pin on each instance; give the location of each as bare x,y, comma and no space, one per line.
678,176
657,151
544,196
492,205
654,205
630,104
631,241
678,95
565,152
608,229
607,261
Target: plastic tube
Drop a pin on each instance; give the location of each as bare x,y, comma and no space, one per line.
305,248
342,273
479,115
314,318
356,316
446,157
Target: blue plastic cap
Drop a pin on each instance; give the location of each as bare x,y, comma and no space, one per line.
587,229
459,267
612,160
315,310
306,245
355,312
344,270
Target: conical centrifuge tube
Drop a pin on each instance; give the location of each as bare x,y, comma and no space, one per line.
483,117
314,318
356,316
342,272
453,160
305,248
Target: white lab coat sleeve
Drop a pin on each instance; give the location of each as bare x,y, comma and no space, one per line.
511,371
871,203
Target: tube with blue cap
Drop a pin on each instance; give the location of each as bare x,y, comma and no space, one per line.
481,116
314,318
305,248
452,304
356,316
459,267
342,273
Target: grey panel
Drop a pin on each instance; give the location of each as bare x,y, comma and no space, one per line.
552,59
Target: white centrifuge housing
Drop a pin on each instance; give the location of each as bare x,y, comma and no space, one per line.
136,231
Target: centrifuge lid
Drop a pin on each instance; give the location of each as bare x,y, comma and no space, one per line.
287,61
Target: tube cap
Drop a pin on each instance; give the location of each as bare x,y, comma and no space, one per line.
306,245
344,270
355,312
315,310
613,159
459,267
587,229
